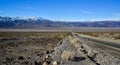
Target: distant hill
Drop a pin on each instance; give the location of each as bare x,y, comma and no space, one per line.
38,22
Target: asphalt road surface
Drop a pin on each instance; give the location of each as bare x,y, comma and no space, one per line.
113,44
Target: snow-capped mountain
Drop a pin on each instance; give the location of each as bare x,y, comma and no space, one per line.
21,18
38,22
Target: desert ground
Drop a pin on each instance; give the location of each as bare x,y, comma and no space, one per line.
20,48
62,29
56,48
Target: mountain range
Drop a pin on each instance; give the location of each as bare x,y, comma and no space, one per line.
38,22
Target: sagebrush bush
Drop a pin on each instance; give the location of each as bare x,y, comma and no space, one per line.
67,55
90,53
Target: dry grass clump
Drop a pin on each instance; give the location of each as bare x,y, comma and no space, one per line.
117,36
74,42
67,55
90,53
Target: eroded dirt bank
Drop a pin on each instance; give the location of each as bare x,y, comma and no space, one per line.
75,51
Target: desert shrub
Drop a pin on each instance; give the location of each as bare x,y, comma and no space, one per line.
68,34
90,53
67,55
117,37
72,40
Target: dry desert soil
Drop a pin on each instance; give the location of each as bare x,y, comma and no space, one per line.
52,48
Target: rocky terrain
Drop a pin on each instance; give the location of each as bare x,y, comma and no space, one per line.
51,49
74,51
27,48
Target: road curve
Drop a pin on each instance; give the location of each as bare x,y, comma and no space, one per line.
101,41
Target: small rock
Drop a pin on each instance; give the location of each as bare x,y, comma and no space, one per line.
37,63
45,63
20,58
54,63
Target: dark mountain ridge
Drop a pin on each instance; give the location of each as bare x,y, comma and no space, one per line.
38,22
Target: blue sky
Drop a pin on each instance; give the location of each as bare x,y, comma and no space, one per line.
82,10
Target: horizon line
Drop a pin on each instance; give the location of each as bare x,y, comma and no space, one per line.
87,20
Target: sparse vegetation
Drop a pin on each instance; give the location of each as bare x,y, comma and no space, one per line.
117,37
37,48
67,54
28,47
74,41
90,53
